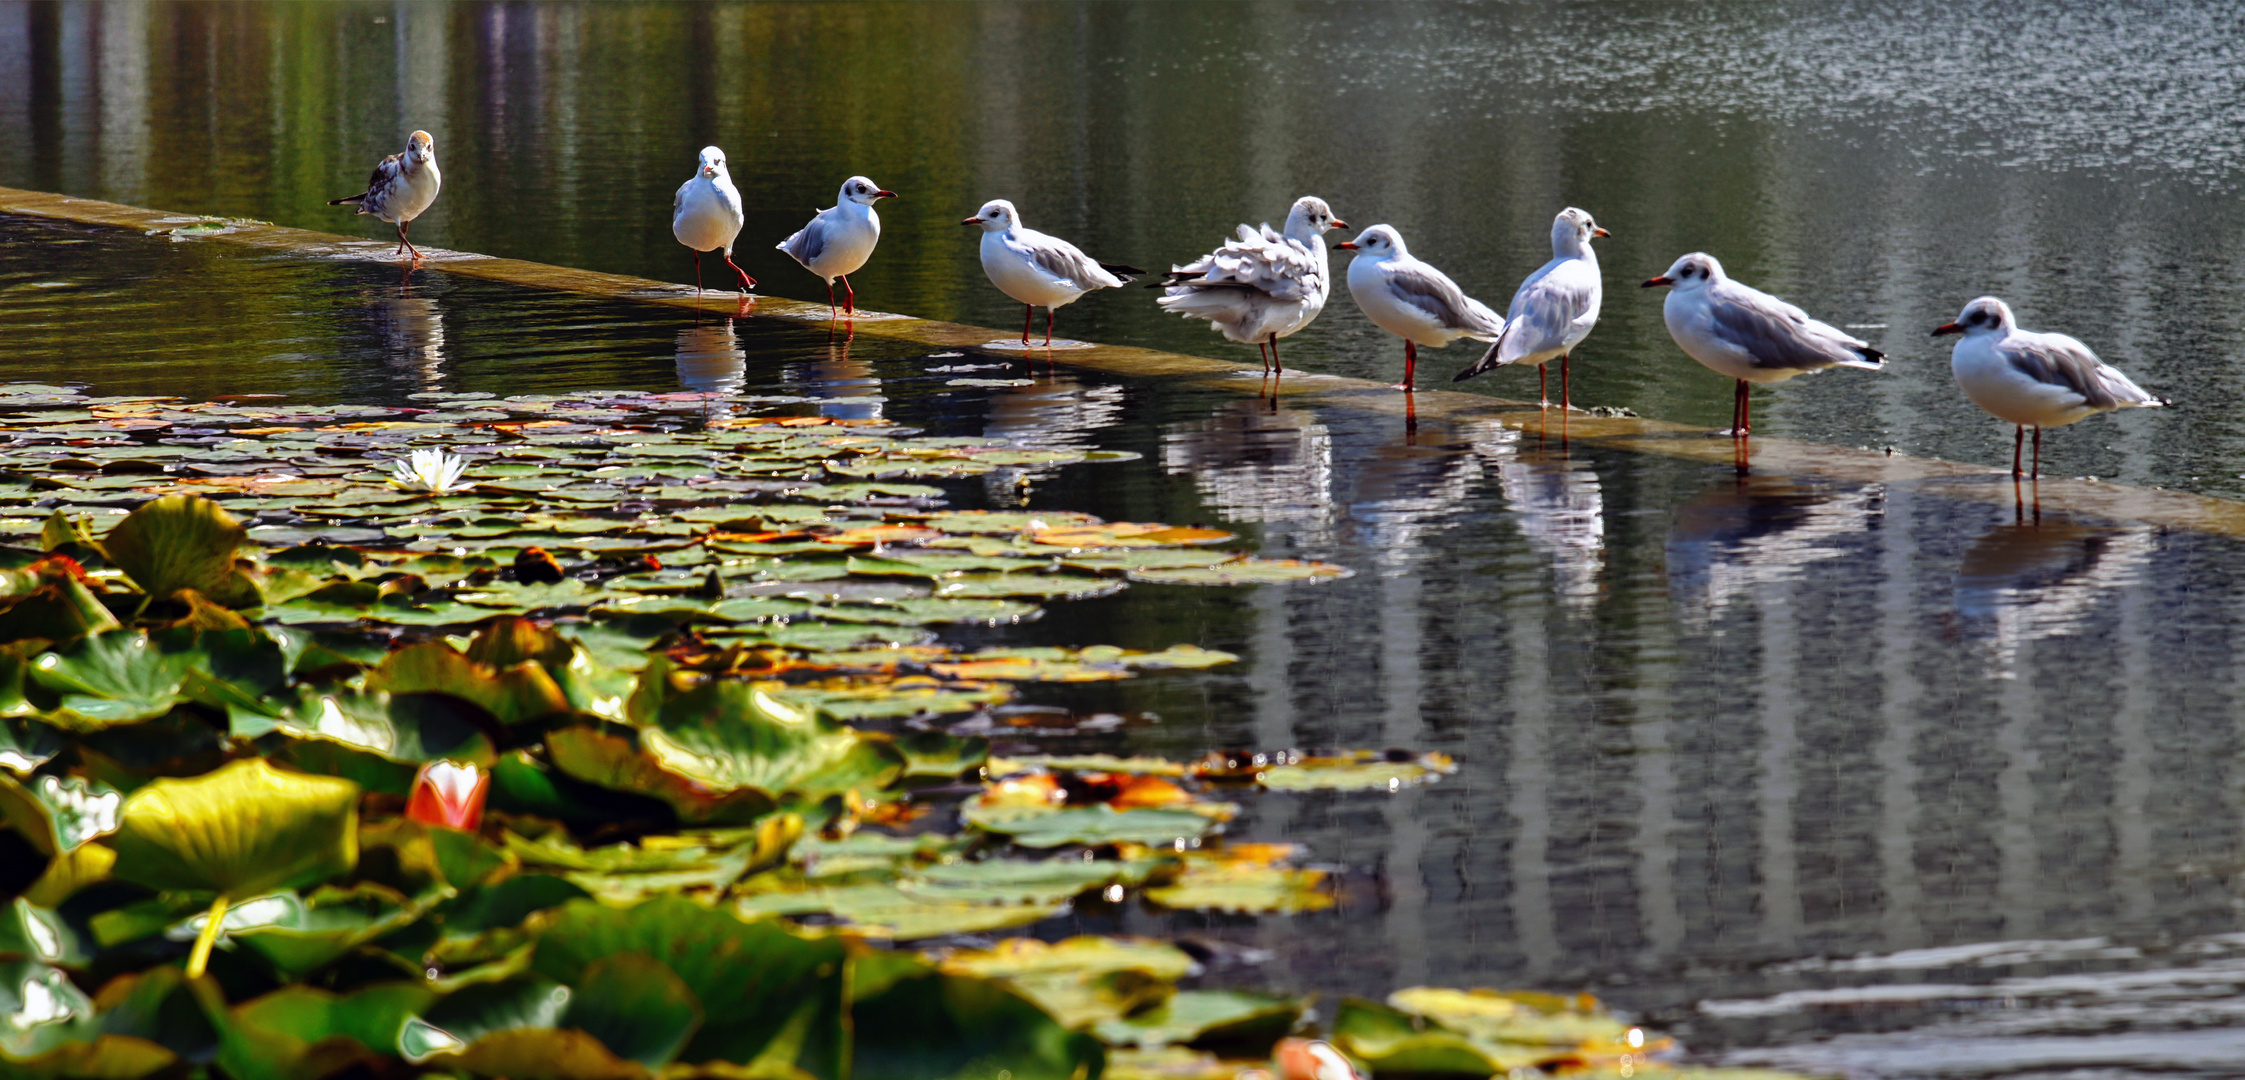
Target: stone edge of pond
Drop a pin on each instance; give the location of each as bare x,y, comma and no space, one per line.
2073,497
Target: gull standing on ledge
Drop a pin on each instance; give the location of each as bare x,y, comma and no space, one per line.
2030,379
841,237
1554,309
705,215
1412,300
1747,334
1264,285
1036,269
401,189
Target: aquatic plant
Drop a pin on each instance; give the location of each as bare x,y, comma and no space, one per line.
364,797
434,471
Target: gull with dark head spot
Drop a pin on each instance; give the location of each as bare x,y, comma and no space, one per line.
1036,269
1412,300
705,215
1554,309
401,189
839,240
1746,334
2030,379
1263,286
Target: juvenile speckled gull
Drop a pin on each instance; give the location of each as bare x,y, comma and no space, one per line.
1412,300
1554,309
1262,286
402,187
1746,334
705,215
839,240
2032,379
1036,269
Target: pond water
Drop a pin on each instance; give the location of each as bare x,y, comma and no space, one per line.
1857,778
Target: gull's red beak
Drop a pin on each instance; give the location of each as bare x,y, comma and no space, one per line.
1661,280
1346,245
884,193
1947,328
1339,224
1596,231
975,220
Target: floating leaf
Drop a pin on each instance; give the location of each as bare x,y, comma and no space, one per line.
242,830
1243,878
1243,572
1225,1016
1083,980
183,542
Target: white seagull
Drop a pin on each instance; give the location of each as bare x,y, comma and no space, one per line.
1262,286
2030,379
840,238
1554,309
705,215
1036,269
401,189
1412,300
1747,334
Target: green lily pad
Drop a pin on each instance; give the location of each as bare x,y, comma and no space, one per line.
183,542
1222,1016
1038,827
1243,572
243,830
728,735
1081,981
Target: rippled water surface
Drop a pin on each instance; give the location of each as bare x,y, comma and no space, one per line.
1863,778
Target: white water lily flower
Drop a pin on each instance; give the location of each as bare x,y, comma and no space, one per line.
433,471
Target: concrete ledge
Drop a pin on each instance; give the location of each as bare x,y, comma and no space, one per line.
2078,498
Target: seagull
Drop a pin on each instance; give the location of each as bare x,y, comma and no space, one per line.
1554,309
1747,334
840,238
1262,286
1037,269
401,189
2033,380
705,215
1412,300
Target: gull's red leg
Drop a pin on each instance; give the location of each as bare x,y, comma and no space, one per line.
1543,385
2018,443
1410,367
747,282
1049,313
1028,316
697,273
2038,455
849,304
1564,401
830,308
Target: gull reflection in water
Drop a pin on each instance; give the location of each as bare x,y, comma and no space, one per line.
1758,531
845,389
412,331
710,358
1403,493
1255,464
2025,582
1560,508
1058,413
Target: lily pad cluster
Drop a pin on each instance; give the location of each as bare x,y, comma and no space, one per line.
417,786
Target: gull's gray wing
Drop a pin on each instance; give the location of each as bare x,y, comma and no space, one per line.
1778,335
1266,263
1432,291
808,242
1546,308
2058,360
1061,259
